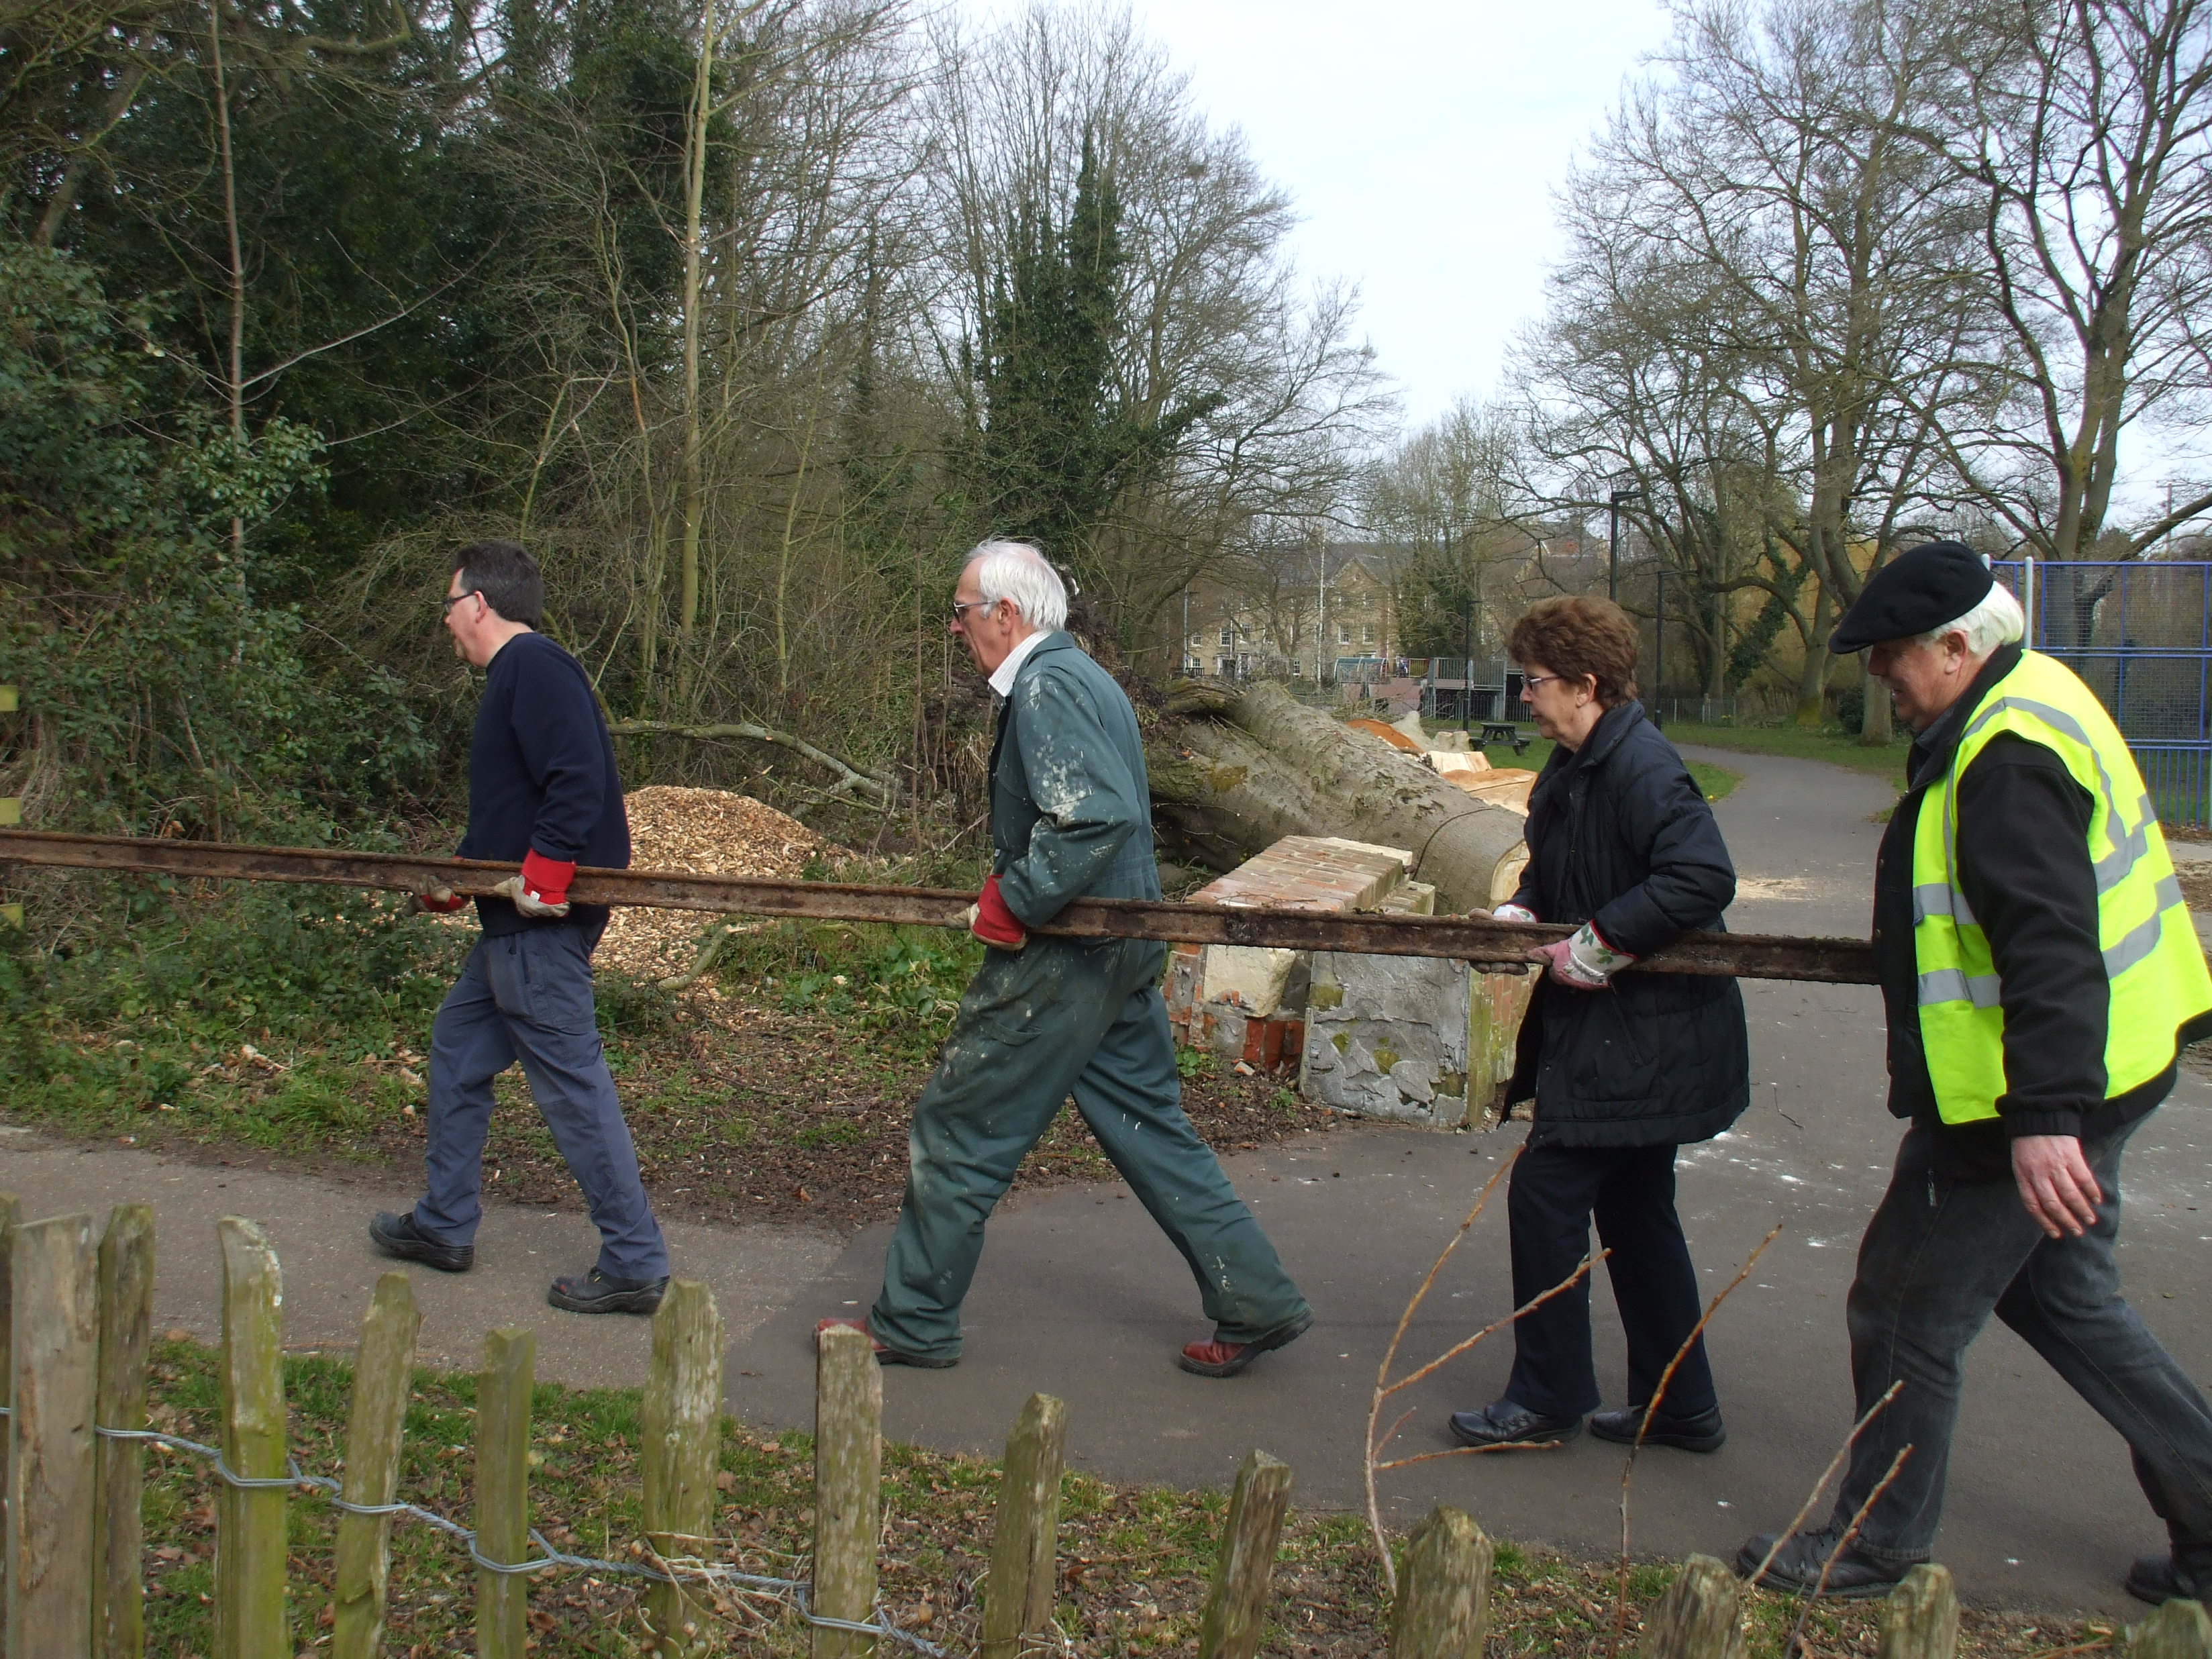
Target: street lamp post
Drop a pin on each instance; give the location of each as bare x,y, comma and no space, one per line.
1467,695
1612,538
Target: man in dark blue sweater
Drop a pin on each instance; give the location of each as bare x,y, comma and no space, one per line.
543,791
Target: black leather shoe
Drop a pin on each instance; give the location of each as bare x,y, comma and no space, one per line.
594,1293
1503,1423
1797,1566
1700,1433
397,1235
2158,1579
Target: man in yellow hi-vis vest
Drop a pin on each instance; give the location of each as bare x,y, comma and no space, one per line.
2040,975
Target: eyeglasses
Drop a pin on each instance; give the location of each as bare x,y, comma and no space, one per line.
961,607
452,599
1529,683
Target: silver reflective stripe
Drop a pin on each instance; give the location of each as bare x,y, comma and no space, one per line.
1939,898
2141,940
2129,843
1953,985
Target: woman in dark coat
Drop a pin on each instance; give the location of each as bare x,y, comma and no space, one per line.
1622,1070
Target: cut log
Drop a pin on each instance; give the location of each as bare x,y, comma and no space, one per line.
1235,769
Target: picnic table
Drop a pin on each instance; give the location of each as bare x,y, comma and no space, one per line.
1505,732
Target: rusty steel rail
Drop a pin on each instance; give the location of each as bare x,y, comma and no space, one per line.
1490,946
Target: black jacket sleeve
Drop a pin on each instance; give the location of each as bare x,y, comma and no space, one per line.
2024,866
1692,880
557,729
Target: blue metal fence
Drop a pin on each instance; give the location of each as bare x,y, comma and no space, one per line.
2139,635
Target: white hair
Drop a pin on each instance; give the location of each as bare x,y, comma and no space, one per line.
1998,620
1018,572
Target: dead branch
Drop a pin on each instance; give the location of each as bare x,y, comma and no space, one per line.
1384,1388
1796,1643
1644,1427
850,777
1827,1476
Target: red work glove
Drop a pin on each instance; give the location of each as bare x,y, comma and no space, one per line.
438,901
542,890
990,920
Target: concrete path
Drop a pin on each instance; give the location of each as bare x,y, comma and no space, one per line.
1079,1296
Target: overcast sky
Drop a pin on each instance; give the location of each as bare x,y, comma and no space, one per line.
1421,140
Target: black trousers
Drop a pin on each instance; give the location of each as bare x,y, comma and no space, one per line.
1555,1192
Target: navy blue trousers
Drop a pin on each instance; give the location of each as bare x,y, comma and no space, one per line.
527,996
1556,1192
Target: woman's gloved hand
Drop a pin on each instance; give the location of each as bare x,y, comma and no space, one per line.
1512,913
1582,961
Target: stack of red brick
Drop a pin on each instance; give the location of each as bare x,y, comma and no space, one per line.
1248,1003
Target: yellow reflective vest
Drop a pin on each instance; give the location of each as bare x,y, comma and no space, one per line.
2155,980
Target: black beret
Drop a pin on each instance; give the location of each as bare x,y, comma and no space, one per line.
1922,588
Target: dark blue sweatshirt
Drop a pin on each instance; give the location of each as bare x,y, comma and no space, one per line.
542,774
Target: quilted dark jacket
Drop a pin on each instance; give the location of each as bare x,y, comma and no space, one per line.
1619,832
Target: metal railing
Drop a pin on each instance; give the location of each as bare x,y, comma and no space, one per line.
2139,635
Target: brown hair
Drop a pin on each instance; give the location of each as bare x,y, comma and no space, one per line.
1578,636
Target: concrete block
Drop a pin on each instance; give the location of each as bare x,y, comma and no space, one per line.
1409,898
1251,977
1387,1036
1414,1039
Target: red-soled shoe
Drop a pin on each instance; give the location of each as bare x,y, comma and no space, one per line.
1218,1358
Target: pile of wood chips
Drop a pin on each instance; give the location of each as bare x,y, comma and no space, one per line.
699,832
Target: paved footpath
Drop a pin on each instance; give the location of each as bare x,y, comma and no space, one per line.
1080,1296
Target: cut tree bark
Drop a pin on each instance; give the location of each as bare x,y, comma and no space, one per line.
1235,770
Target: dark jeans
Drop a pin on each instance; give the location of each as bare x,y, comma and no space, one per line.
527,996
1064,1016
1630,1190
1939,1255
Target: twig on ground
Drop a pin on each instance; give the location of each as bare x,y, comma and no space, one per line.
1644,1427
1384,1388
1821,1485
1796,1643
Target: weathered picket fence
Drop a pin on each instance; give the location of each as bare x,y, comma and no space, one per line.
76,1324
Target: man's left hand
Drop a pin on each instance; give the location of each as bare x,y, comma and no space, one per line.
541,892
2055,1184
991,920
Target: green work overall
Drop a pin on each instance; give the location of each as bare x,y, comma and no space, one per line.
1071,816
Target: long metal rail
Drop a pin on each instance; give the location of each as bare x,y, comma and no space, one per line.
1490,946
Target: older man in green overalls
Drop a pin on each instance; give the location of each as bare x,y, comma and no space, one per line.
1071,817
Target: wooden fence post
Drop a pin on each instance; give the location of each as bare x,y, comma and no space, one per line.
510,1370
251,1618
2179,1630
54,1364
1699,1617
682,1449
848,1497
1244,1574
126,1338
1443,1609
383,1370
10,1212
1024,1582
1920,1617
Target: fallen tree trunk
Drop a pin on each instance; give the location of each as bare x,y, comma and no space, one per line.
1235,770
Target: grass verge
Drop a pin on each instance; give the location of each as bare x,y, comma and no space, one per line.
1716,782
1836,747
291,1024
1134,1561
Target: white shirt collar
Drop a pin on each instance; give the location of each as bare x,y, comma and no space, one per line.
1002,677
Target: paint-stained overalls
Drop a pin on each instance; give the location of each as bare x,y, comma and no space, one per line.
1071,817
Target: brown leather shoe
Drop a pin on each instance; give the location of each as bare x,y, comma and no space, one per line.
885,1354
1215,1358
